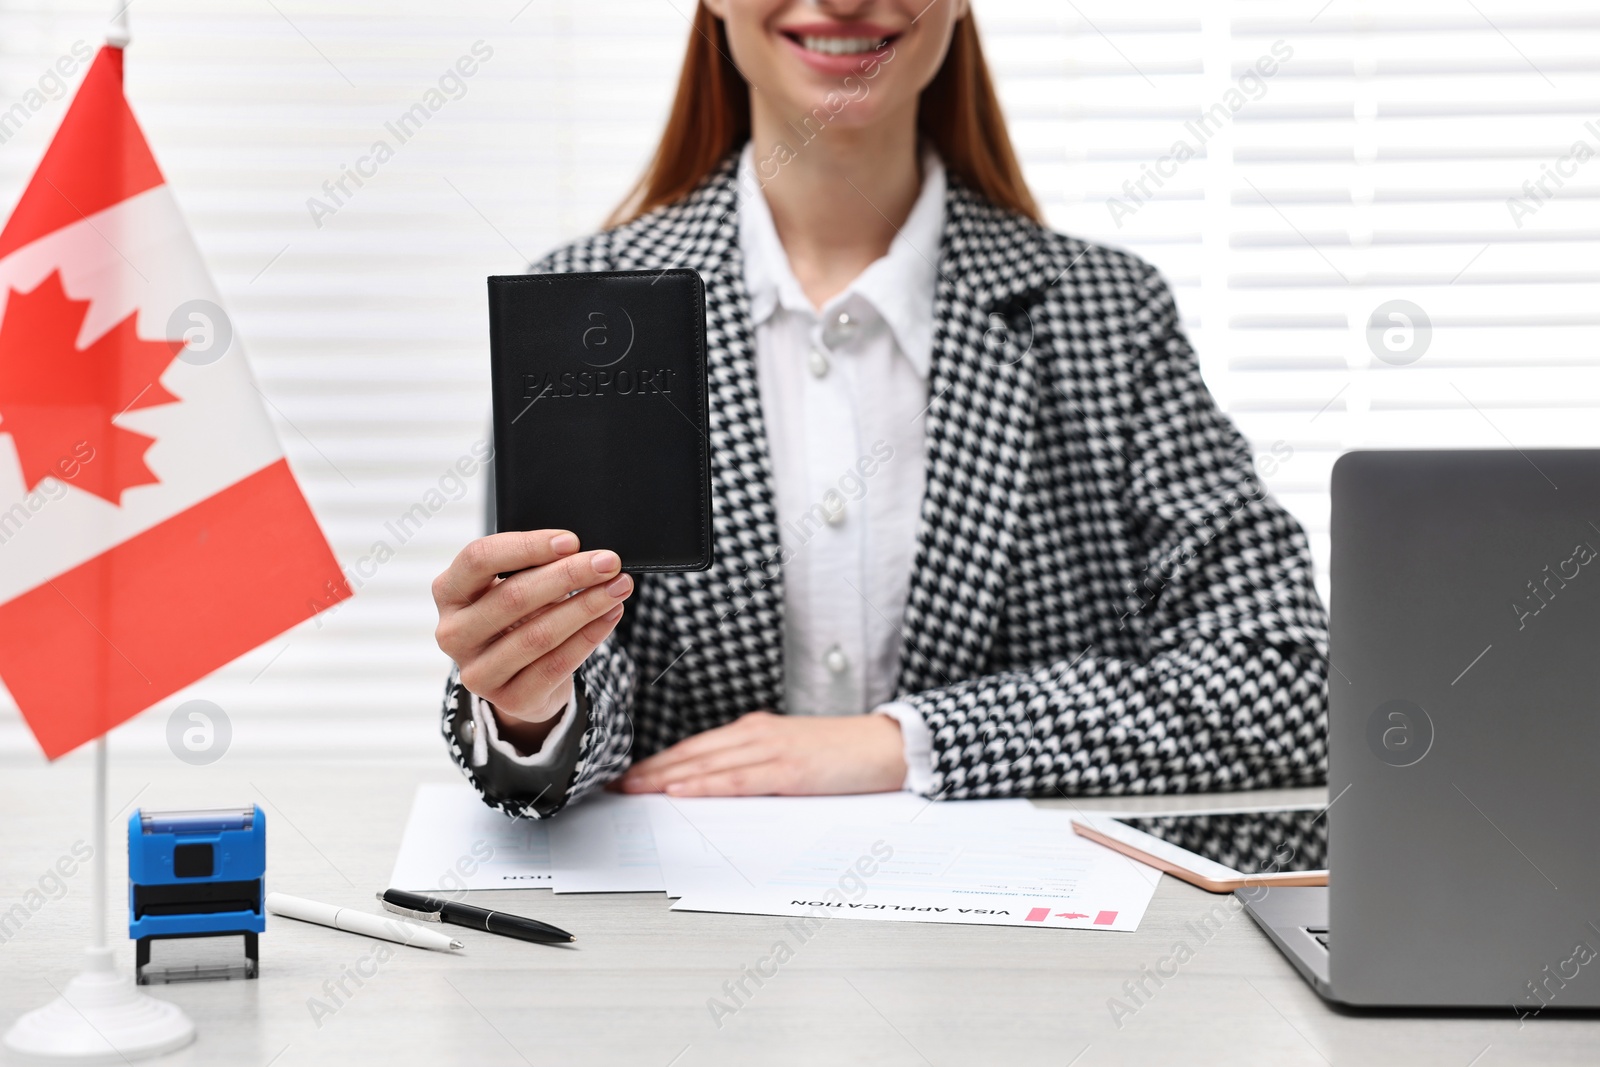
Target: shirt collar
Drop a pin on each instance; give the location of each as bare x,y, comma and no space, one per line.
899,286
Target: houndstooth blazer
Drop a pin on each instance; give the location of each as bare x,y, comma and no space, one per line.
1104,599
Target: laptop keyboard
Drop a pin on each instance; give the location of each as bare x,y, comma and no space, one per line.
1319,933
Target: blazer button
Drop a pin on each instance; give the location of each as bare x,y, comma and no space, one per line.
818,364
835,660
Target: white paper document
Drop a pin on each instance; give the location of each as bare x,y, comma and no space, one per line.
712,842
887,856
605,845
455,841
985,862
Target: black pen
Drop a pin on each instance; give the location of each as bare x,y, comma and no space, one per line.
434,910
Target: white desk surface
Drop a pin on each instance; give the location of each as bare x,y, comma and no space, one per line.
634,990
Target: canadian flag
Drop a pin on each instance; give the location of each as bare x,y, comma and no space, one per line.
150,529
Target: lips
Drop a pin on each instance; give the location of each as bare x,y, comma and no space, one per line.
839,48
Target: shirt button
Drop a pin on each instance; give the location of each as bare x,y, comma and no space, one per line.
841,329
834,659
833,509
818,363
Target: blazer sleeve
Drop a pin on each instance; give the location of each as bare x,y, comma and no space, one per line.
592,753
1227,686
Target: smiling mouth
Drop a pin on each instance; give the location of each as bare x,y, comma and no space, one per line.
839,46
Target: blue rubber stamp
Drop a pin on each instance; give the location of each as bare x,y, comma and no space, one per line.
192,875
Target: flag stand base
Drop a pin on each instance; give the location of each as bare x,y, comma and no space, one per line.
100,1018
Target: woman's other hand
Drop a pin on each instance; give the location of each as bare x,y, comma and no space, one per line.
761,754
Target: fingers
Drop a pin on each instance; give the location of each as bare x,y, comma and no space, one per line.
642,779
731,735
768,778
762,754
523,596
531,685
474,569
535,639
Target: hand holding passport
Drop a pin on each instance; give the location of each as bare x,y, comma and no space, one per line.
600,439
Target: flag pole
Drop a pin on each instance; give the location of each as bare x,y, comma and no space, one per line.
117,34
101,1016
97,897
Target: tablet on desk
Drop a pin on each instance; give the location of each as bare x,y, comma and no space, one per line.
1221,851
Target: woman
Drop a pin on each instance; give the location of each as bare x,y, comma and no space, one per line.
980,529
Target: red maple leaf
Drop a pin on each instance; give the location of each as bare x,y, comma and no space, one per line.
57,400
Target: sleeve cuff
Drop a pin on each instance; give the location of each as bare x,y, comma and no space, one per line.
486,735
917,740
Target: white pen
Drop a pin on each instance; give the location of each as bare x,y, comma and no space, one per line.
358,922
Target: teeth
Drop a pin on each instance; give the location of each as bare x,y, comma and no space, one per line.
842,46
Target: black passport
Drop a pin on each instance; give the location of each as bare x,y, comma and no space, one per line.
600,412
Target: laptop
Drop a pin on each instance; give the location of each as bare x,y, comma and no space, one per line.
1464,737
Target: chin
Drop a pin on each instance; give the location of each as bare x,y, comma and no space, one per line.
835,107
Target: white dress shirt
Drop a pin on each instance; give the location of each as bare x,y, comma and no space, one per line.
844,389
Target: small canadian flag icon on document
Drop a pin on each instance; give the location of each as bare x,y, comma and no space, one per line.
1039,915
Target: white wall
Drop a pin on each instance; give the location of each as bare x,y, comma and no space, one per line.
1374,164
